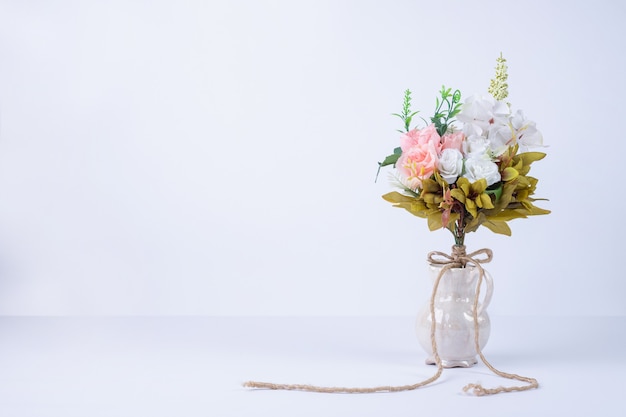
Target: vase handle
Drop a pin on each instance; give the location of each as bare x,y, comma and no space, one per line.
488,293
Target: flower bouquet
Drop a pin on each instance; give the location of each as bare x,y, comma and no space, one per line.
476,174
467,167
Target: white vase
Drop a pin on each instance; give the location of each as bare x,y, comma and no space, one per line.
454,316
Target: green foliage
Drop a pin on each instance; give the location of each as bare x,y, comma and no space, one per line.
444,116
406,115
389,160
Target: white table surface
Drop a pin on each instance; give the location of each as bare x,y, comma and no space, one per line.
194,366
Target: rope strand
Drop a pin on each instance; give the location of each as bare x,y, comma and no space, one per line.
458,259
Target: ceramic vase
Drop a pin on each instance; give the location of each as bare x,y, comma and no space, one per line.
454,316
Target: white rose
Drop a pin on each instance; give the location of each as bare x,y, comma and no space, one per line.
450,165
477,168
475,146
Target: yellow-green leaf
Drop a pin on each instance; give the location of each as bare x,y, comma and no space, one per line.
431,198
486,201
470,206
522,195
464,184
396,197
479,186
528,158
536,211
434,221
457,194
522,182
507,215
442,183
509,174
498,227
430,186
473,224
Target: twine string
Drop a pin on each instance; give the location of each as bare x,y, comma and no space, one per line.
458,259
368,390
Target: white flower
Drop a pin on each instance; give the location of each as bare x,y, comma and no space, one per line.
486,117
526,132
500,137
480,112
477,168
475,146
450,165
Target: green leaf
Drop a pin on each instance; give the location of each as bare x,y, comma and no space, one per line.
496,192
389,160
454,113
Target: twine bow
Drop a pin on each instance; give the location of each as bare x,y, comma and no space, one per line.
458,259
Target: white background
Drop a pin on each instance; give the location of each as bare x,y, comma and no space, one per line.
218,157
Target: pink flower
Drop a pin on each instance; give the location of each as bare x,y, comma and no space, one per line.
453,141
415,137
417,163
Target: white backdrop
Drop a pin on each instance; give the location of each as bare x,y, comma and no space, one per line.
218,157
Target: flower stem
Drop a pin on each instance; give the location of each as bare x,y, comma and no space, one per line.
459,229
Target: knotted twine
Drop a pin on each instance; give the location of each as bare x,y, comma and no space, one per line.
458,259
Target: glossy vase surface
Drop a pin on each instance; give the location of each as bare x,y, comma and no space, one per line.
454,316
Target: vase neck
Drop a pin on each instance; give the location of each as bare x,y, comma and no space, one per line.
458,252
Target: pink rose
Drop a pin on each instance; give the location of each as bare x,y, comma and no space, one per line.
453,141
417,163
415,137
